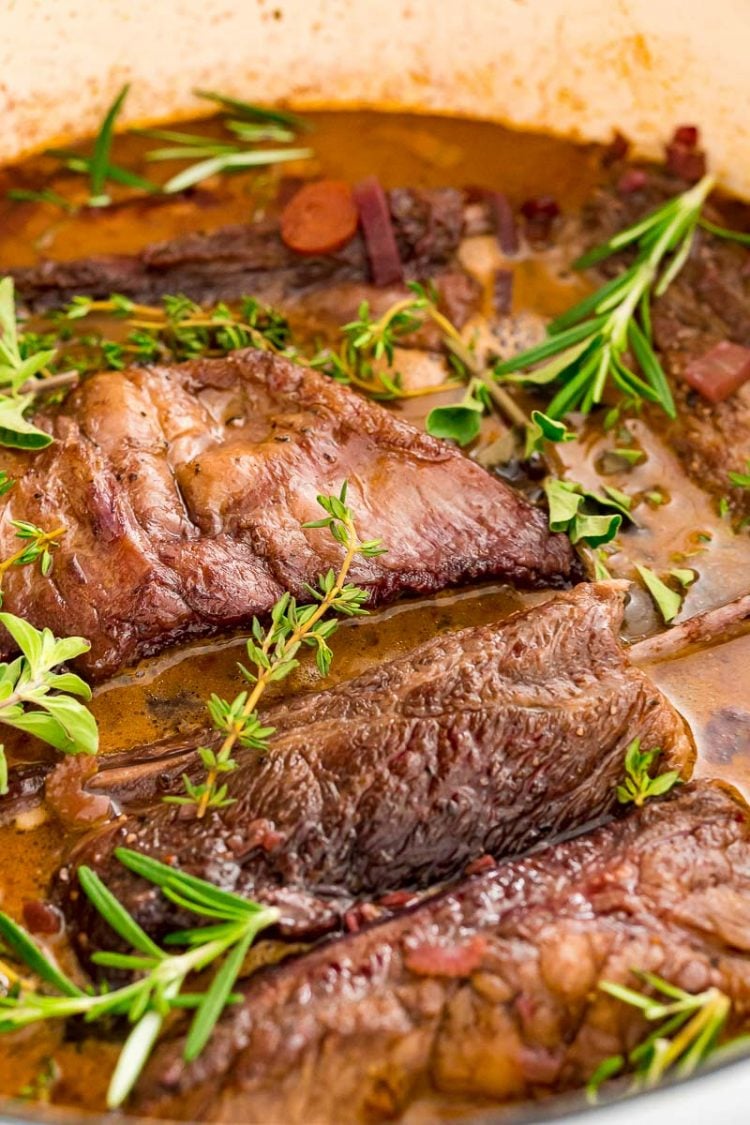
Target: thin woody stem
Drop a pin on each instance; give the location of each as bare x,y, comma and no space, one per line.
264,674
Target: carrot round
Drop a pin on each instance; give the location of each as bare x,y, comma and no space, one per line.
320,218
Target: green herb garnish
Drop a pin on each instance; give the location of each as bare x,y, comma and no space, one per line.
162,974
723,232
741,480
273,653
232,161
668,601
586,517
639,785
689,1031
461,421
587,346
19,375
98,167
543,429
55,715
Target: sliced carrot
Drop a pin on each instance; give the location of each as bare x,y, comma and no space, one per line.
321,218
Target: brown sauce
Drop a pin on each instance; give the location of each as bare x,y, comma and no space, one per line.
711,687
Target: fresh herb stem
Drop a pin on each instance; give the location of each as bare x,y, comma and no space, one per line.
38,545
34,696
743,237
148,998
588,345
690,1028
638,785
274,652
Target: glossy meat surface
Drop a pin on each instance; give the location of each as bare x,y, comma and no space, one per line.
252,259
487,992
183,490
483,741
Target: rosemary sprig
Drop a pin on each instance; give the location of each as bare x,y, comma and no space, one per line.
98,167
638,785
250,125
158,987
231,161
255,113
689,1031
273,653
588,346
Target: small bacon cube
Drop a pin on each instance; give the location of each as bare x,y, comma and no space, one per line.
720,372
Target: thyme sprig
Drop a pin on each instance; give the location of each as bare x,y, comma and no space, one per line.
177,330
639,785
366,356
689,1032
38,546
98,167
588,346
273,653
161,974
208,156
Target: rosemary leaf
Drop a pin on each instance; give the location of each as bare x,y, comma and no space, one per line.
195,173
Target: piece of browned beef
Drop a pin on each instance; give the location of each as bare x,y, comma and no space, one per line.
482,741
241,260
486,993
707,303
183,491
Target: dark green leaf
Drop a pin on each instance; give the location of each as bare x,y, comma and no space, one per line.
29,952
115,915
255,112
215,999
103,144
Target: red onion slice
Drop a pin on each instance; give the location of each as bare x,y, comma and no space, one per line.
377,228
505,222
502,292
719,372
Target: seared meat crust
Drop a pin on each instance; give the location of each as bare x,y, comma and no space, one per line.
483,741
183,490
241,260
487,992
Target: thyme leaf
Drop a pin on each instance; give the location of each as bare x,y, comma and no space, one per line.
273,654
639,785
